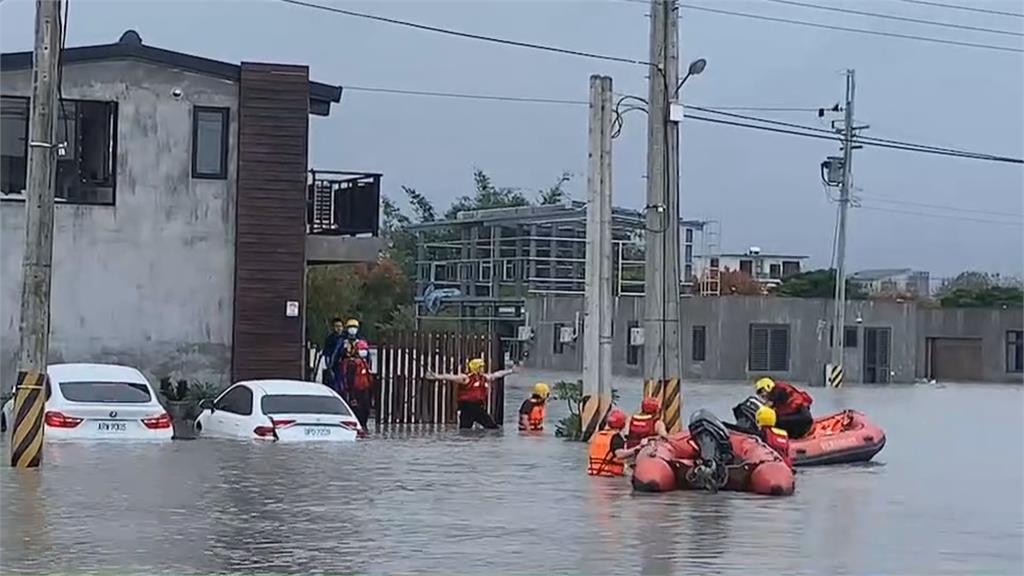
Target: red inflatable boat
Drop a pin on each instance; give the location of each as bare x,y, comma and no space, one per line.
674,464
839,438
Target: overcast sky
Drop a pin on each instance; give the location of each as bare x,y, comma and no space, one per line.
764,188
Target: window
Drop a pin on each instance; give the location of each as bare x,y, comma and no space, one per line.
238,400
486,270
769,348
689,235
688,253
632,351
103,392
747,267
699,344
558,347
688,273
210,142
508,271
775,271
303,404
88,132
849,337
790,267
1015,351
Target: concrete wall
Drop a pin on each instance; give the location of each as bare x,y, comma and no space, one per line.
149,281
727,323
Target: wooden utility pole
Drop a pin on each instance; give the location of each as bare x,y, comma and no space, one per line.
29,399
597,326
662,360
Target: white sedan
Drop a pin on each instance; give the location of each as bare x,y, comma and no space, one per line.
285,410
98,402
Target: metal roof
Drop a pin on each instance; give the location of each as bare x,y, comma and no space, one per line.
130,47
879,274
569,211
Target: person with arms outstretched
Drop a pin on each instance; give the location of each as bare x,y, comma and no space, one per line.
473,392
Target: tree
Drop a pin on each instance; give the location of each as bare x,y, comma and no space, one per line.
739,283
555,194
486,195
373,293
817,284
970,281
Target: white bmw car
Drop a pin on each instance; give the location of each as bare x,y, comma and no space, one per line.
285,410
98,402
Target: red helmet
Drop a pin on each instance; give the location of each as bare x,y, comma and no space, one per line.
616,419
362,345
650,405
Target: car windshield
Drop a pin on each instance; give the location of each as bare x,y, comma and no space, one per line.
303,404
128,392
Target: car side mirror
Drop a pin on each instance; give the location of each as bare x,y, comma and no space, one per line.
206,404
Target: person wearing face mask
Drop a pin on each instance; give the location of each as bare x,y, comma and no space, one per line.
334,344
359,381
351,337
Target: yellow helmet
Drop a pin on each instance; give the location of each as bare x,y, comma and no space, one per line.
765,417
764,385
541,389
352,323
475,365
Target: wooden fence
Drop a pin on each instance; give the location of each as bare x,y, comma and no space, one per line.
404,396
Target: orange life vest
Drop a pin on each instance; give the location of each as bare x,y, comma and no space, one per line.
363,380
641,426
602,459
778,440
536,416
795,399
475,390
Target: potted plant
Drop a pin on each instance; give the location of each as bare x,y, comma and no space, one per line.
175,394
202,392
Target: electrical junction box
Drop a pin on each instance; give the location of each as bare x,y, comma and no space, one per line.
636,336
524,333
567,334
675,112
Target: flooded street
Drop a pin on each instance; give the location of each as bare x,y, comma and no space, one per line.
499,503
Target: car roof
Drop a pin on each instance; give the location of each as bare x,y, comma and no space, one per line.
95,372
287,387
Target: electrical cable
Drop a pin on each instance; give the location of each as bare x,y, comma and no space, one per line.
883,199
964,8
855,30
467,96
893,17
468,35
942,216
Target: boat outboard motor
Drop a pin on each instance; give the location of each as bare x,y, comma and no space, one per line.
712,439
746,414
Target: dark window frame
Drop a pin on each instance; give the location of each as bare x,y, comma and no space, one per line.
225,131
699,353
848,341
113,120
219,406
558,347
773,332
1017,344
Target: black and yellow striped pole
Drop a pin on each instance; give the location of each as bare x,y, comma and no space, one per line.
27,434
834,376
593,412
671,399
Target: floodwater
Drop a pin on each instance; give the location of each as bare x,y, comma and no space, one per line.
944,497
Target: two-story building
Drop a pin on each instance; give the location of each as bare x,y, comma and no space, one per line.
186,213
896,281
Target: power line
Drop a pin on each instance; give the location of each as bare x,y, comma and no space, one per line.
885,200
855,30
467,96
897,18
965,8
469,35
941,216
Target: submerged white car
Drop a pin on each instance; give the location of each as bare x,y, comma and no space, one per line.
98,402
285,410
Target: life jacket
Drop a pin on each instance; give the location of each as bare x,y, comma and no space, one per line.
602,460
475,390
536,417
795,399
362,379
641,426
778,440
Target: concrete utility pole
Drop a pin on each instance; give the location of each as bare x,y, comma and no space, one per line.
597,322
27,443
662,361
834,376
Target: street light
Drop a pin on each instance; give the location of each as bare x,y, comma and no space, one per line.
696,67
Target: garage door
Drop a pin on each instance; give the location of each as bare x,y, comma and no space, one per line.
955,359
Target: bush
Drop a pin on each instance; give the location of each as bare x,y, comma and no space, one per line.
571,427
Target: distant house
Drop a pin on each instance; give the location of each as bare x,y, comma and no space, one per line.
769,269
186,212
893,281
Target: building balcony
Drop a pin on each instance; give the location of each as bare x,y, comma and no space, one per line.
342,217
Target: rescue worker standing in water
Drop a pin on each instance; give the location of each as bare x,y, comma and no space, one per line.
792,406
359,381
774,437
531,413
473,392
646,424
608,452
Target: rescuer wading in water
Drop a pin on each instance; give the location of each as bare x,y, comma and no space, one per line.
472,394
531,413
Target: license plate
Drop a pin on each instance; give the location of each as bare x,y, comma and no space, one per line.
112,426
317,431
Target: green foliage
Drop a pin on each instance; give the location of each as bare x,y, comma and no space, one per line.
555,194
174,391
378,295
571,392
817,284
486,195
980,290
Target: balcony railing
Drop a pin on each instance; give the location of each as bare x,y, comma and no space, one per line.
343,203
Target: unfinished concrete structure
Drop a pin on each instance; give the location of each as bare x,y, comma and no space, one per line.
186,215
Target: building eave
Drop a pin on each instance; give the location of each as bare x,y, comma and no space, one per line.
130,47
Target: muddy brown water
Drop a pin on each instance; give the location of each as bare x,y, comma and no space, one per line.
943,497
